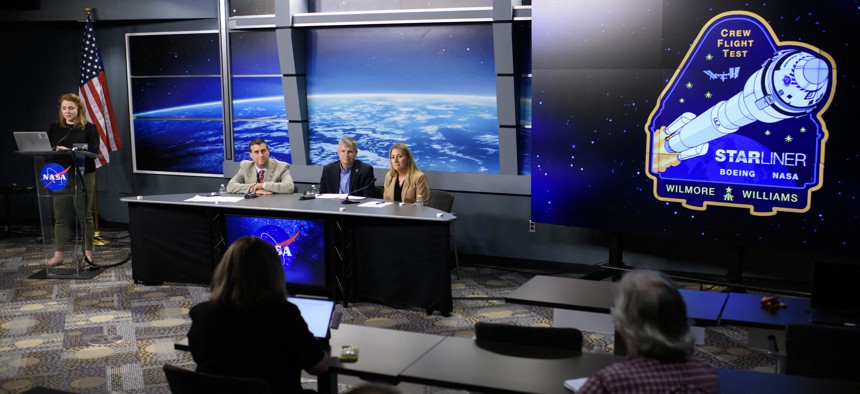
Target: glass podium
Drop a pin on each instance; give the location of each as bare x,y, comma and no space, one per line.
56,181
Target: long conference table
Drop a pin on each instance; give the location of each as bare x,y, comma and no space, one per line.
394,356
463,363
578,303
586,304
395,254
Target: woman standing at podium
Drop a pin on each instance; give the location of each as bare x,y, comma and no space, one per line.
404,182
72,128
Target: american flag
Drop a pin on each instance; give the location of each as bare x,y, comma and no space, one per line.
95,95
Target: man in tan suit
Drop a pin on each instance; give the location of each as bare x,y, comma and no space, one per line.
261,175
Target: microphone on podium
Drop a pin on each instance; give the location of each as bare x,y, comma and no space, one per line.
351,192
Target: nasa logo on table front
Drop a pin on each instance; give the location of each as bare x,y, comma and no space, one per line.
281,240
54,176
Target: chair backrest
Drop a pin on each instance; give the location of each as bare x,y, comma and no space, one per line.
441,200
821,351
185,381
552,337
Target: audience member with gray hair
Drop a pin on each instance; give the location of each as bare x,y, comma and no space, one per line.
651,318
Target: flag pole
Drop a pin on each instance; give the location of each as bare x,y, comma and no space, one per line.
97,237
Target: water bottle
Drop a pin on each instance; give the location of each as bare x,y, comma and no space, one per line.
419,200
312,191
222,190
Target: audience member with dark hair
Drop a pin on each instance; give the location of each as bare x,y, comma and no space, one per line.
651,317
248,328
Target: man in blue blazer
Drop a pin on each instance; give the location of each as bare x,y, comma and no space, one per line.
261,175
348,174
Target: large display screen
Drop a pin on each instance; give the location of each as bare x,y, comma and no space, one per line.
300,244
430,87
722,121
175,100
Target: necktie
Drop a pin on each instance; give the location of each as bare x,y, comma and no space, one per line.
260,176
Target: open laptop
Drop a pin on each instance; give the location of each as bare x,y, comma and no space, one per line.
32,141
832,301
318,314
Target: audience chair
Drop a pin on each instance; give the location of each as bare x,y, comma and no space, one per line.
186,381
549,337
444,201
822,351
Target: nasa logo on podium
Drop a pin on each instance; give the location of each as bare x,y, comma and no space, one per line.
54,177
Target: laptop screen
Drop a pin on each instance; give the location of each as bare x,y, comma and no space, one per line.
32,141
831,284
317,314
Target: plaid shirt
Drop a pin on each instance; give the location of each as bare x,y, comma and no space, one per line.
647,375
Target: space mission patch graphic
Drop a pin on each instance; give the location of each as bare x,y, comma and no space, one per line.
739,124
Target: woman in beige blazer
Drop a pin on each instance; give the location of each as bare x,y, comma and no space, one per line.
404,181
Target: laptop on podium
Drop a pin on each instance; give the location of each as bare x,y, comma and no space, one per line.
832,301
32,141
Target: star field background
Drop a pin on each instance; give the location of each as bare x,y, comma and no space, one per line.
599,67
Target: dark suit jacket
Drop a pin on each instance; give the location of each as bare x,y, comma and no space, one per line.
362,175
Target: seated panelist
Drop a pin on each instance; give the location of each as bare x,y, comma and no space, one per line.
348,175
404,182
261,175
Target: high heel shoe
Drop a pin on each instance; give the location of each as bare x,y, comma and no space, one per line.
88,257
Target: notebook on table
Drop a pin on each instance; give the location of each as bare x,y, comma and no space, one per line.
832,301
32,141
318,314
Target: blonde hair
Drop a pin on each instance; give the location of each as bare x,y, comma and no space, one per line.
250,273
81,120
411,168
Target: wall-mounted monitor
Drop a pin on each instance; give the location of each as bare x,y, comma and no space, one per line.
432,87
300,244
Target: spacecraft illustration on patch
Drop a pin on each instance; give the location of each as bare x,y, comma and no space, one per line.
761,145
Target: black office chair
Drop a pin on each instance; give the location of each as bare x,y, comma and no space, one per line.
444,201
569,339
186,381
822,351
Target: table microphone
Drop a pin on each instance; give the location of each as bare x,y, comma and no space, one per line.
348,201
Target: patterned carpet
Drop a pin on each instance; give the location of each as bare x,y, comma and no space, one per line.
107,334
